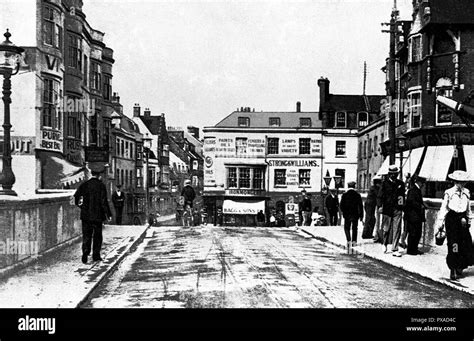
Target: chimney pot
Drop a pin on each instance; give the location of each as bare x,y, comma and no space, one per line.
298,106
136,110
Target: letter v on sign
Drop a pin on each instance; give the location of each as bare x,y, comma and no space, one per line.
50,63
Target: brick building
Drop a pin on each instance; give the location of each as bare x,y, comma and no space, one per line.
434,56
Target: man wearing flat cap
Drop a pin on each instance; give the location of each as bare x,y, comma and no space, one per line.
91,197
415,215
392,200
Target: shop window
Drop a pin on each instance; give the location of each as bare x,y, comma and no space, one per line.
305,146
244,177
304,177
258,178
232,177
341,148
273,143
280,177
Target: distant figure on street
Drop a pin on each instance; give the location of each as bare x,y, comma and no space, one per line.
260,219
332,207
188,193
91,197
392,200
455,214
352,211
306,208
118,200
370,207
414,215
409,182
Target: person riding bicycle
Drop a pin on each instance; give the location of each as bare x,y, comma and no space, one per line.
188,193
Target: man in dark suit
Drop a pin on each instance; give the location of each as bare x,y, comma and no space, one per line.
415,215
352,211
332,207
91,197
118,199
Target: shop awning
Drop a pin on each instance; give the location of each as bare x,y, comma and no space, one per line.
411,159
60,173
469,157
243,207
436,163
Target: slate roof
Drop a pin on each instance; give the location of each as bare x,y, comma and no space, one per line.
450,12
355,103
262,119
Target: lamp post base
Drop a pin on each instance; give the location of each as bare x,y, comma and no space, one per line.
9,192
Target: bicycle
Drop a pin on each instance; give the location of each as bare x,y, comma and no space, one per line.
187,217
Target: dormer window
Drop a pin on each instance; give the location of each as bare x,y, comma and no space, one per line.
274,122
362,119
341,119
305,122
244,121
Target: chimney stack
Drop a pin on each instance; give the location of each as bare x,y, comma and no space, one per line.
136,110
147,112
298,106
323,84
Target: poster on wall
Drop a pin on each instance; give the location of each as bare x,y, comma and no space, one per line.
209,169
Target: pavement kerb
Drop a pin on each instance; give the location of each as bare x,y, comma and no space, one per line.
102,276
119,260
446,283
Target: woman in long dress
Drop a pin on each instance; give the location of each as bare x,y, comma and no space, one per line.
455,214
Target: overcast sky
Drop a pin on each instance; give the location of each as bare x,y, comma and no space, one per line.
197,61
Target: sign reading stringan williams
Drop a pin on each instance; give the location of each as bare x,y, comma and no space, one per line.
293,163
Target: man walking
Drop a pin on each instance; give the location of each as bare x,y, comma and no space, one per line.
306,208
352,211
118,199
91,197
415,215
392,199
332,207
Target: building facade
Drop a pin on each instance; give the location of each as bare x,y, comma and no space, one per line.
434,57
60,96
260,161
342,116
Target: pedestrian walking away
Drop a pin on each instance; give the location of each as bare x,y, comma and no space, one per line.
118,200
370,207
455,214
392,200
332,207
260,219
188,193
91,197
352,212
414,215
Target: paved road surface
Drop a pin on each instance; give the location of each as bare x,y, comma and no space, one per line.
217,267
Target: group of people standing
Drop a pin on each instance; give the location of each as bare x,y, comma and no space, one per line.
395,214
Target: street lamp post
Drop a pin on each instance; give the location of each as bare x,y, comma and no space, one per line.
146,149
401,145
9,66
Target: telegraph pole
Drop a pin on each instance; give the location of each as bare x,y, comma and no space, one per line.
391,71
